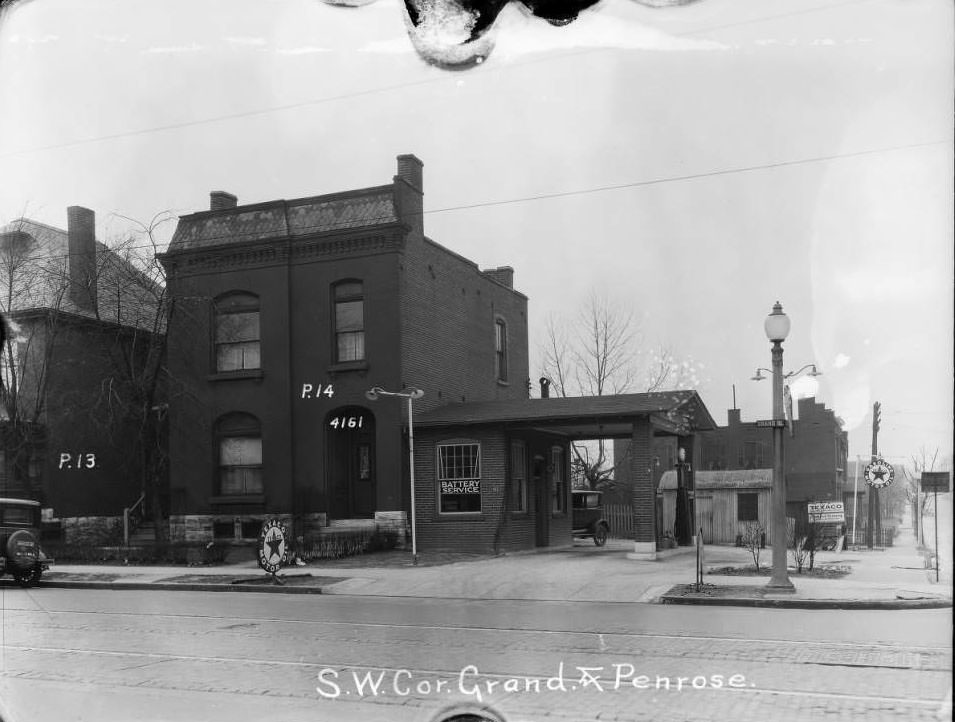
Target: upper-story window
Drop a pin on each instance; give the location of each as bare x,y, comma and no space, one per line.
349,321
238,347
500,349
750,455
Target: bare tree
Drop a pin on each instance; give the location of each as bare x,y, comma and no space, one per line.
131,400
601,352
922,461
33,286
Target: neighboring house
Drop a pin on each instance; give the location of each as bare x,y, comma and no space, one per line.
75,310
726,502
815,455
287,313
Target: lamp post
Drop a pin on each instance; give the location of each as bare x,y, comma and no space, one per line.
411,394
777,328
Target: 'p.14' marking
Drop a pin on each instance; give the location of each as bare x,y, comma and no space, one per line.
314,392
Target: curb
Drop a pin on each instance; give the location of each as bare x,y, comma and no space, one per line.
172,587
939,603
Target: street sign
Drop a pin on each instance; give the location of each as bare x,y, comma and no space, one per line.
937,481
827,512
879,474
770,423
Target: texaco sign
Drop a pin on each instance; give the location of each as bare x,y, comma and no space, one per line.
273,546
879,473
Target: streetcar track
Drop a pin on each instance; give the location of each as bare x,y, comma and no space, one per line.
235,621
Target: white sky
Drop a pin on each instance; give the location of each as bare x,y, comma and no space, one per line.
840,111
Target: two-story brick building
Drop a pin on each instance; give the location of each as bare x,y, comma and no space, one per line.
287,313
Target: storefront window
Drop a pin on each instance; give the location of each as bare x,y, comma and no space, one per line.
459,477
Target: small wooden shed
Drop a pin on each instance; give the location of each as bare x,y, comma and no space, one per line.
726,502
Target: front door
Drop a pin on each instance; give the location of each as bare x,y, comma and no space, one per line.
542,502
350,441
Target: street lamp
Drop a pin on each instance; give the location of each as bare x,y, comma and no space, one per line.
411,394
777,328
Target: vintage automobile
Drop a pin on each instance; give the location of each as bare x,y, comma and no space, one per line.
588,518
20,553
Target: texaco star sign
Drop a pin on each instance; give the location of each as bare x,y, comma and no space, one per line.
879,473
272,546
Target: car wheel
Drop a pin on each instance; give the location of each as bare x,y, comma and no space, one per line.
28,578
600,536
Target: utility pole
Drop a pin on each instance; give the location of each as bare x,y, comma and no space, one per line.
873,529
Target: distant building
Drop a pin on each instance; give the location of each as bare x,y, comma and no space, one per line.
287,312
76,310
815,455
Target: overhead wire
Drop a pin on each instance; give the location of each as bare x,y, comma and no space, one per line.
325,227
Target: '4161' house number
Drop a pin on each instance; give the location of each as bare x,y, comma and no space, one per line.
347,422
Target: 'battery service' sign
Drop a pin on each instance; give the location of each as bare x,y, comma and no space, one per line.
827,512
461,486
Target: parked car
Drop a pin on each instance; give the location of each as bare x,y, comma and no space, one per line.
588,516
20,552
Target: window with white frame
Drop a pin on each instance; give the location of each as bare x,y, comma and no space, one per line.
559,478
349,321
500,349
237,343
239,439
459,478
518,476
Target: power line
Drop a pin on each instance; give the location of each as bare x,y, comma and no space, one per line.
597,189
480,72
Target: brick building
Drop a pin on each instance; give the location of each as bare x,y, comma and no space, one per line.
79,311
815,455
508,483
287,312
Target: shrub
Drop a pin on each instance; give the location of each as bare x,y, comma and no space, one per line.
753,535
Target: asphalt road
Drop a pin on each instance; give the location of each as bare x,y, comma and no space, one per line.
147,655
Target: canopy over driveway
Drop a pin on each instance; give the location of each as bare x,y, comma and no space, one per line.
637,417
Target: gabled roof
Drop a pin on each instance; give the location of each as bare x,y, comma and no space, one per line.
580,417
723,479
41,278
282,219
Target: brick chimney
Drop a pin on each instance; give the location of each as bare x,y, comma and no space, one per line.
220,201
502,274
81,231
732,417
409,192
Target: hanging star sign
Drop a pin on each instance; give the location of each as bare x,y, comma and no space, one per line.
879,474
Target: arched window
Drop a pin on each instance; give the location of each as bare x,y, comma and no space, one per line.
349,321
239,442
237,332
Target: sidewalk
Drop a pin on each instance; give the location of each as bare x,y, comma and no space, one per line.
893,578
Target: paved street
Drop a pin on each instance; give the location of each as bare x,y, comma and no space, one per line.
155,655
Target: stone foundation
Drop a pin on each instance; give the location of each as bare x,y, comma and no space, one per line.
92,530
190,528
